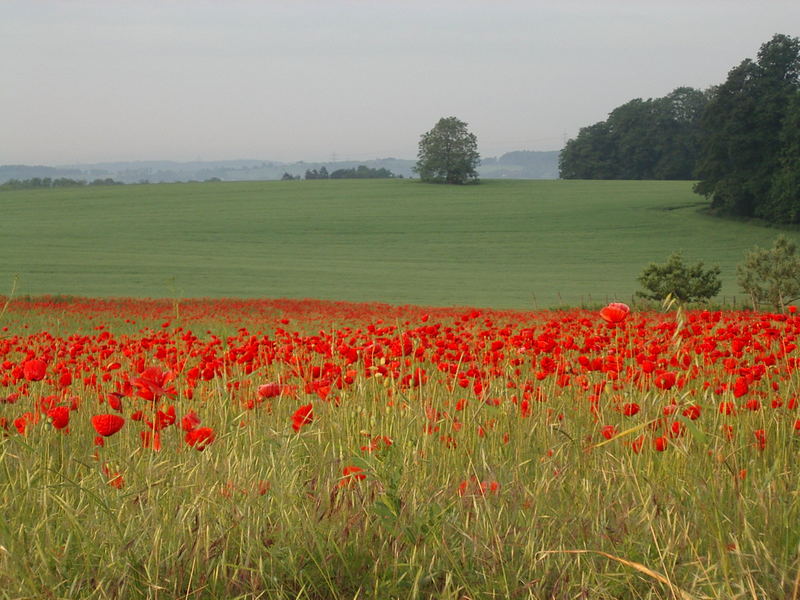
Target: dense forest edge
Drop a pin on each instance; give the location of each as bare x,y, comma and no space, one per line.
739,139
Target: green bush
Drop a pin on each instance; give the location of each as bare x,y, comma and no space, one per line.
685,283
771,276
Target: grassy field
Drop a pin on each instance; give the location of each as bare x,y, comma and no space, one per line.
506,244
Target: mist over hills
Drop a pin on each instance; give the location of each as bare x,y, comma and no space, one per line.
523,164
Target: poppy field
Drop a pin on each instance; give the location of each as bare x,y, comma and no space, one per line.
312,449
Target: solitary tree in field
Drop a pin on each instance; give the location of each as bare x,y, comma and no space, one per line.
448,153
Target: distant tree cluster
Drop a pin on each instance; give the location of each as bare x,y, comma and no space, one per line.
314,174
658,138
363,172
47,182
359,172
740,139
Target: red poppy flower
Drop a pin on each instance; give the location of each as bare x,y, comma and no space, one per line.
677,429
609,431
65,379
34,369
727,431
740,387
115,400
630,408
351,474
616,312
152,384
753,404
487,487
27,418
636,445
108,424
164,418
190,422
692,412
660,443
377,443
474,487
665,381
200,438
59,416
115,478
269,390
302,416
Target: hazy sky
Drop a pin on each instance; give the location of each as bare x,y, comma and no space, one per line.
92,81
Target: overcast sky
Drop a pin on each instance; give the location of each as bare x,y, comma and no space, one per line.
92,81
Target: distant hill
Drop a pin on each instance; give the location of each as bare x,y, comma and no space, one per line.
29,172
512,165
521,164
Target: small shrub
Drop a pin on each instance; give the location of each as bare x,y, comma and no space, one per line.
771,276
685,283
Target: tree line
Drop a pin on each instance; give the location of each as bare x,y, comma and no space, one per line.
47,182
740,139
657,138
359,172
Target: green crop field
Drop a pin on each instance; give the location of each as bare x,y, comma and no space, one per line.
505,244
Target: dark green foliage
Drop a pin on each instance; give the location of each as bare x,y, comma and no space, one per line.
642,139
47,182
783,202
747,157
362,172
359,172
685,283
592,155
314,174
771,276
448,153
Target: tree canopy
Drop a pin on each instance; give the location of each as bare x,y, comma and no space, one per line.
642,139
750,154
448,153
685,283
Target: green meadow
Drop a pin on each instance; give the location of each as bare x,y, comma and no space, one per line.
504,244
